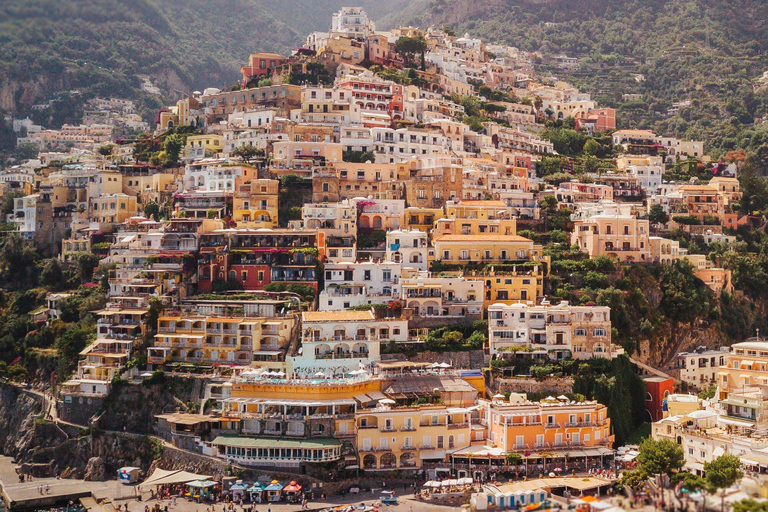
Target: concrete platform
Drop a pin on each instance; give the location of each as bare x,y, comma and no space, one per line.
28,496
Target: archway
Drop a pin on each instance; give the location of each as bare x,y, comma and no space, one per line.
388,461
369,461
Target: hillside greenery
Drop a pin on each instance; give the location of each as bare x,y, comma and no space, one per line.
705,51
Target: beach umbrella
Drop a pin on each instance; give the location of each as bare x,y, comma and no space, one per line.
387,401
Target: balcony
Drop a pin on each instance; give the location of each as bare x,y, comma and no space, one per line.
456,426
387,429
408,428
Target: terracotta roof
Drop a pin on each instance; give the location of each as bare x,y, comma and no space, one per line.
491,237
336,316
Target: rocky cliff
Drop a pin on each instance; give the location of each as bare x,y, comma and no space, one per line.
44,448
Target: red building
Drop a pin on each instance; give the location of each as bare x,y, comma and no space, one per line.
256,258
657,389
261,65
597,120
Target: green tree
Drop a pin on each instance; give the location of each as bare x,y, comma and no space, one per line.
27,151
750,505
247,153
591,147
172,146
657,215
660,457
409,47
146,147
106,149
86,263
722,473
152,210
52,276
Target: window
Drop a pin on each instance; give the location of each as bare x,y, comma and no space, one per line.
580,332
598,332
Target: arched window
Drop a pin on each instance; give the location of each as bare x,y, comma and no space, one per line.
598,332
580,332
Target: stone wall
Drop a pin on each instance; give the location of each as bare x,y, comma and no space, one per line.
526,385
174,458
80,409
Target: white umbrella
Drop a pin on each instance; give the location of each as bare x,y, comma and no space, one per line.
435,365
319,374
562,397
387,401
444,365
279,374
498,395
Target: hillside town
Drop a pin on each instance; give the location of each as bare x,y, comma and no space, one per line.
380,262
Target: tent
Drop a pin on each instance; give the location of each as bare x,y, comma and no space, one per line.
292,487
200,488
165,477
274,491
256,491
238,489
292,491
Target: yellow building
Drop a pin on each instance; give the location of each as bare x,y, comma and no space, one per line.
421,218
201,146
227,340
486,248
512,286
112,208
255,203
404,437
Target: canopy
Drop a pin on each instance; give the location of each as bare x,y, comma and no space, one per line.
201,484
274,486
165,477
292,487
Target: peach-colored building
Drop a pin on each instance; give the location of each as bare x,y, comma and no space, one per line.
608,229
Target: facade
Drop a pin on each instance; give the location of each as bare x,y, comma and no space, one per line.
699,369
551,426
338,342
608,229
350,284
561,331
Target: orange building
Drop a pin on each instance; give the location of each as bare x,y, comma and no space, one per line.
261,64
551,433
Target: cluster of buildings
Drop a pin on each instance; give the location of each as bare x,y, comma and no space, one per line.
733,421
100,119
295,314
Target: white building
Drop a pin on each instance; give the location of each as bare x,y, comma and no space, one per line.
699,368
337,342
349,284
399,145
352,22
211,175
427,296
25,215
561,331
409,247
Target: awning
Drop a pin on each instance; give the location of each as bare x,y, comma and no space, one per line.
164,477
746,363
376,395
719,451
736,423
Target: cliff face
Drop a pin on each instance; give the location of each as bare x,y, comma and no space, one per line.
42,448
